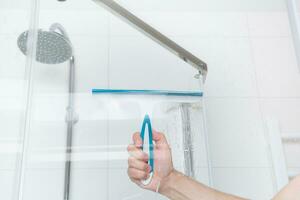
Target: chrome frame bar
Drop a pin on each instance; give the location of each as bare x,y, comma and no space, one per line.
154,34
295,26
187,141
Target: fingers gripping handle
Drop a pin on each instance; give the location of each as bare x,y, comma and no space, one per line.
147,123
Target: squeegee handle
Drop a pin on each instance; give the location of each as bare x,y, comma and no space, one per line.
147,123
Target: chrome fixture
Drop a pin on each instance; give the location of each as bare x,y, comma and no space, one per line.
54,47
154,34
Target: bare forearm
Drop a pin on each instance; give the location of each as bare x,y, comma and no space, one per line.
179,187
291,191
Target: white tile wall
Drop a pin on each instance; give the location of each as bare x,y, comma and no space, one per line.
79,22
7,183
286,110
89,183
120,135
132,67
14,21
236,77
49,108
12,65
8,154
10,130
14,17
203,5
15,4
76,5
91,145
44,183
92,61
11,91
45,74
231,68
47,142
291,152
238,139
270,24
202,176
252,183
276,67
121,188
206,24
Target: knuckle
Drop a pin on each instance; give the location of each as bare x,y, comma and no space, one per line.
145,166
131,173
130,148
134,136
144,156
144,175
131,160
134,174
141,174
140,157
137,154
163,136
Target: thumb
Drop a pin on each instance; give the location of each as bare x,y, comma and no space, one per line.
159,138
137,140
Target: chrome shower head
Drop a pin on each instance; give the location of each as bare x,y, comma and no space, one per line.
52,47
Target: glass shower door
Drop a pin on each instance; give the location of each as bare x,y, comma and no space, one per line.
74,144
236,39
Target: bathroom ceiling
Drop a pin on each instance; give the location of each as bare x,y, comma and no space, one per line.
15,4
157,5
204,5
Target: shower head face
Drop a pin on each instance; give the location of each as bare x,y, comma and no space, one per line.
52,47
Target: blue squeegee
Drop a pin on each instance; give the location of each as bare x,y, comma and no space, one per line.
147,123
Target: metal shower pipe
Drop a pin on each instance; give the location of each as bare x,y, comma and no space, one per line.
71,117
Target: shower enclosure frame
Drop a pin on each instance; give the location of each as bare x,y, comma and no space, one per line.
147,30
140,25
294,19
71,117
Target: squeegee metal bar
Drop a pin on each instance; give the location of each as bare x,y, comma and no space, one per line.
154,34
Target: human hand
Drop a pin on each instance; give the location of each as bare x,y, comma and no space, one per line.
138,167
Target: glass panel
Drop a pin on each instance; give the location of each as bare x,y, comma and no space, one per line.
14,17
94,49
75,142
291,138
103,129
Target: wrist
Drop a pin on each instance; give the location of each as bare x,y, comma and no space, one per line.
167,182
